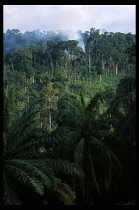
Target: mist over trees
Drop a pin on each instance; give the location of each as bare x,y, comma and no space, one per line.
14,40
69,117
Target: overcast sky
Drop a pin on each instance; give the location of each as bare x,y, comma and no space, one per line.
112,18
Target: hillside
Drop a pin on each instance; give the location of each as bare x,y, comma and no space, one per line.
69,118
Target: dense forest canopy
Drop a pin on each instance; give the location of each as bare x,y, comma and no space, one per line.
69,117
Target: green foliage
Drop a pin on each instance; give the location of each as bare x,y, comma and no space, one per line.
84,130
99,67
69,118
24,163
123,110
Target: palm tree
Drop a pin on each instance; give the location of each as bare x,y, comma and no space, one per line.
82,135
123,110
26,167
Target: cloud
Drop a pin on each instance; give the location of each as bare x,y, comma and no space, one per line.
12,12
122,19
70,17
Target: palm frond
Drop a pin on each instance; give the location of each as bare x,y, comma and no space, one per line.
69,117
31,171
82,100
10,196
93,103
69,105
60,165
74,103
29,149
64,193
108,156
25,178
9,110
23,127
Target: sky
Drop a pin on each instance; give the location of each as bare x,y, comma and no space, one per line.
112,18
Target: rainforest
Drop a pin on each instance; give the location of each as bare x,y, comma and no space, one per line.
69,107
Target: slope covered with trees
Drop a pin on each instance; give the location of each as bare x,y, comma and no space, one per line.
69,118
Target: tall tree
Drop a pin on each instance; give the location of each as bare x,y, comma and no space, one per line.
99,69
81,132
49,93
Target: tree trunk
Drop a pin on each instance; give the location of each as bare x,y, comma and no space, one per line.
31,58
28,98
50,116
32,79
52,66
108,70
92,169
123,71
66,70
50,120
52,69
100,78
106,73
73,183
111,73
89,63
75,74
12,65
116,69
129,70
72,56
102,62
